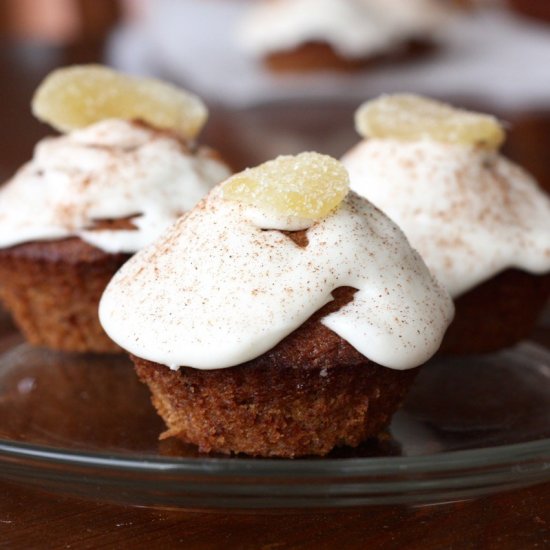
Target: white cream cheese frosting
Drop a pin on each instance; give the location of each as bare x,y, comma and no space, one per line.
113,169
217,289
354,28
469,212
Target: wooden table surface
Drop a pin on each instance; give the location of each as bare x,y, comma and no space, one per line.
517,520
32,519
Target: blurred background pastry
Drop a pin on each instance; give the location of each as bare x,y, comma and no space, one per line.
310,35
480,51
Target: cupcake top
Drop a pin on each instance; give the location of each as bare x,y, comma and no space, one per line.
227,282
354,28
437,172
139,168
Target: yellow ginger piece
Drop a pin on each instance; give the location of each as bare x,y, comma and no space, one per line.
409,117
77,96
309,185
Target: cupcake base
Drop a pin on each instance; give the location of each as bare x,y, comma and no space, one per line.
53,289
309,394
497,314
320,56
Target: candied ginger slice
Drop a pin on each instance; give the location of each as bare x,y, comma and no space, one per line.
77,96
309,185
409,117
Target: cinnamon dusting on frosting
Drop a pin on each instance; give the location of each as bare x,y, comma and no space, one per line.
469,211
112,170
218,289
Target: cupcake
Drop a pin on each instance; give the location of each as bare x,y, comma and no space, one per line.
283,316
305,35
124,169
479,221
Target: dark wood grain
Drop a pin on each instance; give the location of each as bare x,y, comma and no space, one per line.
515,520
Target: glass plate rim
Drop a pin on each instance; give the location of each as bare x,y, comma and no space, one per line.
446,462
537,451
145,478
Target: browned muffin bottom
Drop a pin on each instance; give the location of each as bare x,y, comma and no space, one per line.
527,144
53,288
498,313
310,393
320,56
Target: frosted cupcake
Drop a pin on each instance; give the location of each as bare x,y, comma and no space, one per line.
283,316
123,170
480,222
302,35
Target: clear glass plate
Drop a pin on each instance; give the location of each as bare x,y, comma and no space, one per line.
83,425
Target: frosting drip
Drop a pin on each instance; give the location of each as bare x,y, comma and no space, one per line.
218,290
355,28
111,170
471,213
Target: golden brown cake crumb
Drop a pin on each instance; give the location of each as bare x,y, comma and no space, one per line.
52,289
498,313
310,393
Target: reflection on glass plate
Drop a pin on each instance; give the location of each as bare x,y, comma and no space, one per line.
83,425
